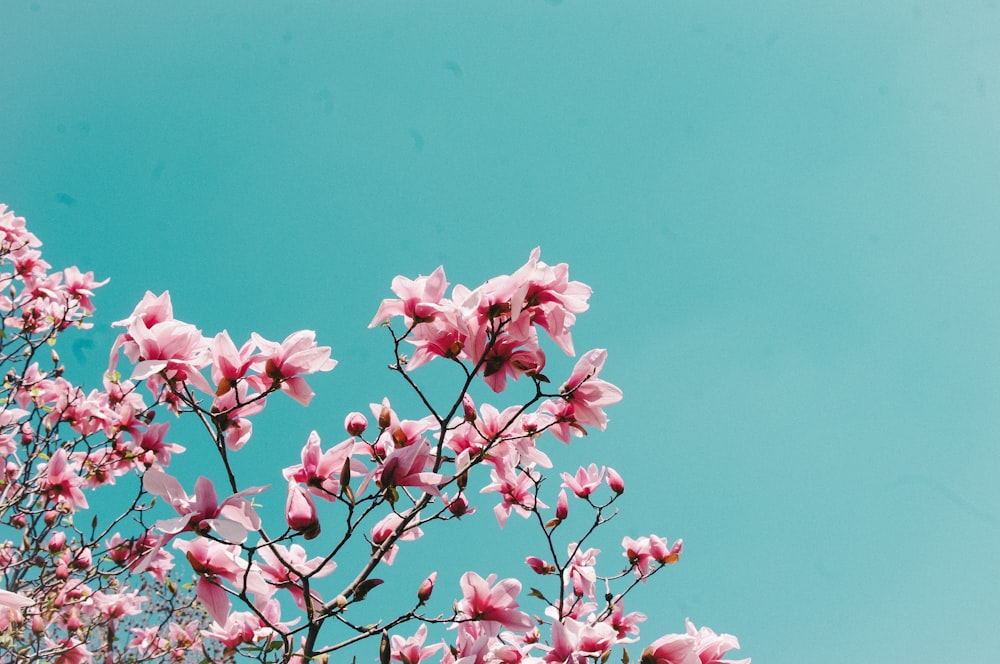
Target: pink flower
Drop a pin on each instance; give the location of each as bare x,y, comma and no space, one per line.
587,393
575,641
418,299
213,562
426,587
355,423
545,296
300,512
284,568
320,471
387,527
710,646
484,601
585,482
411,650
406,466
580,574
14,600
229,364
516,488
671,649
202,512
60,483
615,481
285,363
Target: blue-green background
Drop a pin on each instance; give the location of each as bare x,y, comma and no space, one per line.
789,213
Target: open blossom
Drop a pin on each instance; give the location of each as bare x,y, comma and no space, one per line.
229,520
61,483
710,647
671,649
213,562
411,650
321,471
418,298
285,363
407,467
586,480
385,528
283,567
516,489
583,399
643,551
491,600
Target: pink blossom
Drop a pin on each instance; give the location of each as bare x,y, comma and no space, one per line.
576,641
320,471
228,363
517,490
615,481
285,363
202,512
300,512
545,296
587,393
484,601
355,423
60,483
579,573
406,467
586,480
710,646
285,567
388,526
671,649
213,562
411,650
418,299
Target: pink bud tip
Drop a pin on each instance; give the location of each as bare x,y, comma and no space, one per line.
615,481
355,424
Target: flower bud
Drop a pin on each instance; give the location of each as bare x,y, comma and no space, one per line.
51,517
355,423
539,566
468,408
62,571
426,588
615,481
385,415
37,625
562,505
300,511
459,505
82,560
57,542
19,521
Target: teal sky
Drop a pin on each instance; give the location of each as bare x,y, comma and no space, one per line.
789,213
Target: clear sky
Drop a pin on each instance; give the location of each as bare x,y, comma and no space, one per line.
789,213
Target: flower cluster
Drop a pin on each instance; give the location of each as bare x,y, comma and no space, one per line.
294,589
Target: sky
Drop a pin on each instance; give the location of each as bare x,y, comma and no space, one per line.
789,214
